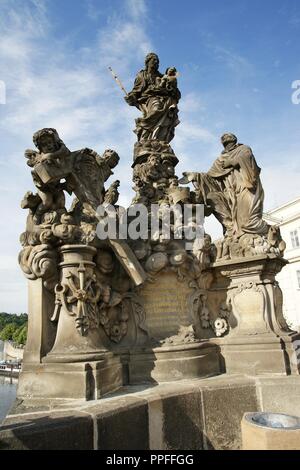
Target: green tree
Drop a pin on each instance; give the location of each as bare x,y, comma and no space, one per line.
8,332
20,335
6,318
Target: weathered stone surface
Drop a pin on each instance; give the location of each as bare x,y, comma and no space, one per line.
157,302
59,431
259,339
223,411
166,304
41,331
182,415
280,396
129,261
173,363
124,430
159,95
80,292
86,380
182,422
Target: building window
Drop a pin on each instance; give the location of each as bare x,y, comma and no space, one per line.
295,239
298,276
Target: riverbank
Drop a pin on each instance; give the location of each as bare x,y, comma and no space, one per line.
8,392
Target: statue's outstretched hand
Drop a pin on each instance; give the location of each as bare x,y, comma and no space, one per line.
130,99
188,177
226,164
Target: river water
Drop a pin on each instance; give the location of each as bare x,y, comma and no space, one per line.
8,390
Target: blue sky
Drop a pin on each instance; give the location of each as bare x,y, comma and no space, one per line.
237,60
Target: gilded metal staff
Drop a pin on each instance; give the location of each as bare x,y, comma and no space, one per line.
117,80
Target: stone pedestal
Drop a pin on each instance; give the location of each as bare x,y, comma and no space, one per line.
78,365
260,340
173,352
78,338
81,380
167,364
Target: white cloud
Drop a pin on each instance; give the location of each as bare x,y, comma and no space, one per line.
233,60
137,8
48,87
281,183
191,103
189,135
122,43
93,12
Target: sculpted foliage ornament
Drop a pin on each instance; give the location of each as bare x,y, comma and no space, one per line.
186,335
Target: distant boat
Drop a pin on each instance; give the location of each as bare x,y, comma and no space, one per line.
11,369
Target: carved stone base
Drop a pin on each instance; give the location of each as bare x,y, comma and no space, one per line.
261,354
170,363
259,340
85,380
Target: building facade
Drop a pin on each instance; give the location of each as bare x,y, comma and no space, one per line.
287,217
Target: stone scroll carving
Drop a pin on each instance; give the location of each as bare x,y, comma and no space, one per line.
40,261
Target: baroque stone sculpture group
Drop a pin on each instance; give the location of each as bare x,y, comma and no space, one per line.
106,313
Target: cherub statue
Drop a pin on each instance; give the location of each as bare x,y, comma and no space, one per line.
169,79
203,251
50,148
53,152
56,169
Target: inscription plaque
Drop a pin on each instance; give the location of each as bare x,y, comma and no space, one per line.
166,304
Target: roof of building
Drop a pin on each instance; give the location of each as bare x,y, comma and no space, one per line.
283,206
